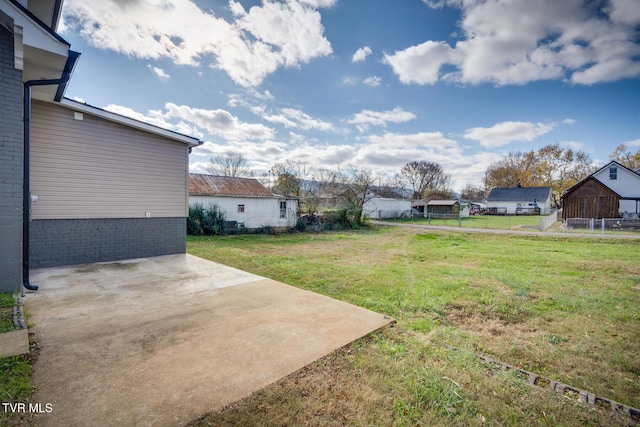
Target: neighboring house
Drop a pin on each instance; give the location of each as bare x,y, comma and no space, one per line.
243,200
387,208
610,192
520,200
104,187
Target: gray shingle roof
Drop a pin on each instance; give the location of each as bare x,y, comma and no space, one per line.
523,194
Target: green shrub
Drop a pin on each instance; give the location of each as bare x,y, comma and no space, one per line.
205,221
346,217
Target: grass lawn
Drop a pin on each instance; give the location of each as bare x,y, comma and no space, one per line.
564,308
15,372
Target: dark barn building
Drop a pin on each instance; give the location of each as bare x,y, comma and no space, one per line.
590,199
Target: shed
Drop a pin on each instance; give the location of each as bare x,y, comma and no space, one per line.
387,208
520,200
590,199
243,200
443,207
419,206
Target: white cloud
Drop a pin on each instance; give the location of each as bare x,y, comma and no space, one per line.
243,100
414,140
255,44
349,81
319,3
361,54
569,121
156,118
159,72
293,118
624,11
520,41
305,121
198,167
506,132
421,64
373,81
236,8
365,118
634,143
219,122
574,145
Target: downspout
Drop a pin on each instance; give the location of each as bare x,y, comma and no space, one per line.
26,189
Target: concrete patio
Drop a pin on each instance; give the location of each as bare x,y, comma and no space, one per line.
161,341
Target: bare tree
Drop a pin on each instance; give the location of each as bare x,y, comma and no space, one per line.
390,186
357,186
229,163
289,176
425,177
473,193
323,186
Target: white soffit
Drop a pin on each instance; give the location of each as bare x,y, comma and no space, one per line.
32,33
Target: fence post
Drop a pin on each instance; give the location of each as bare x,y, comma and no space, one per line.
459,221
428,218
591,225
602,219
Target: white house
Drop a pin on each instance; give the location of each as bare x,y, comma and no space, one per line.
243,200
610,192
387,208
625,182
520,200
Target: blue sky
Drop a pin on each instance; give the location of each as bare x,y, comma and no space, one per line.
369,83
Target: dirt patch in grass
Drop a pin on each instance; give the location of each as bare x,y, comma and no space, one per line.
485,328
475,317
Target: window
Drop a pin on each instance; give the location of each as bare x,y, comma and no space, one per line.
283,209
240,208
613,173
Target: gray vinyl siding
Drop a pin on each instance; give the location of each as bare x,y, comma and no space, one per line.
95,168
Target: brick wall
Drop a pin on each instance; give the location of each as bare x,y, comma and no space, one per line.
57,242
11,163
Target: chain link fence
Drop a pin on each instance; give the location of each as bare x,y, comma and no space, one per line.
626,224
